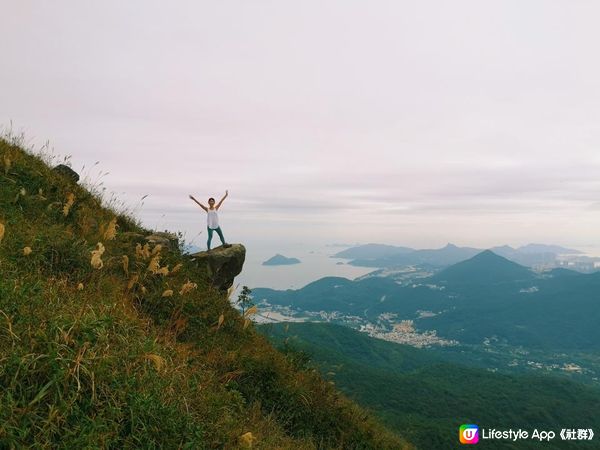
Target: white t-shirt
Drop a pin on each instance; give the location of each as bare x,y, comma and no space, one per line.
212,219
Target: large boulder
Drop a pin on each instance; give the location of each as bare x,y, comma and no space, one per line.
222,264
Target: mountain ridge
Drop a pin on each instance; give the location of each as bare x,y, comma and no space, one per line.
381,256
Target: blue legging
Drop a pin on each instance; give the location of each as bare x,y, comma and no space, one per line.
210,235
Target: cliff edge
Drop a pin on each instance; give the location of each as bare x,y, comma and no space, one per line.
222,264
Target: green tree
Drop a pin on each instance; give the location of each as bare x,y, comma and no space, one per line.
244,299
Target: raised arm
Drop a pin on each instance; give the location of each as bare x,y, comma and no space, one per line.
224,197
199,204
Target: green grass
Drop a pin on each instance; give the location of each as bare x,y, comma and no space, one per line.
91,359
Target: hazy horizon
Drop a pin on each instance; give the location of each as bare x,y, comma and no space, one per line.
403,123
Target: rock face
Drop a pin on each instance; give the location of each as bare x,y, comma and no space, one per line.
222,263
67,172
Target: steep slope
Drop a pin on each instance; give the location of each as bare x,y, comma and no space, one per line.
109,339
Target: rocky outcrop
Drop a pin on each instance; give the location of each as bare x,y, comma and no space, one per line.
165,239
222,264
67,172
168,241
131,236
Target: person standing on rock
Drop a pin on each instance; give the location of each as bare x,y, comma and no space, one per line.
212,219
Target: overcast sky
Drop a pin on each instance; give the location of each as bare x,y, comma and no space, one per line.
406,122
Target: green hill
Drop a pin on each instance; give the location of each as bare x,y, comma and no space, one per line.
108,340
484,268
485,297
427,397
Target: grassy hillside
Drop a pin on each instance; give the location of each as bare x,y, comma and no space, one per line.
429,398
106,343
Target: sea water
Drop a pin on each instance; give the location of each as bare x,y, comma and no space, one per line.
316,262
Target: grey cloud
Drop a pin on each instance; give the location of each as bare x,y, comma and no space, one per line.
468,109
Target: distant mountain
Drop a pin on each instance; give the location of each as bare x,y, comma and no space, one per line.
450,254
280,260
328,294
484,268
542,248
530,259
503,250
372,251
425,396
387,256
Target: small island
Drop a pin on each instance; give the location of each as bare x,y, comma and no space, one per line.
280,260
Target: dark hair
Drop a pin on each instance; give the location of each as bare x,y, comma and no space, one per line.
212,198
